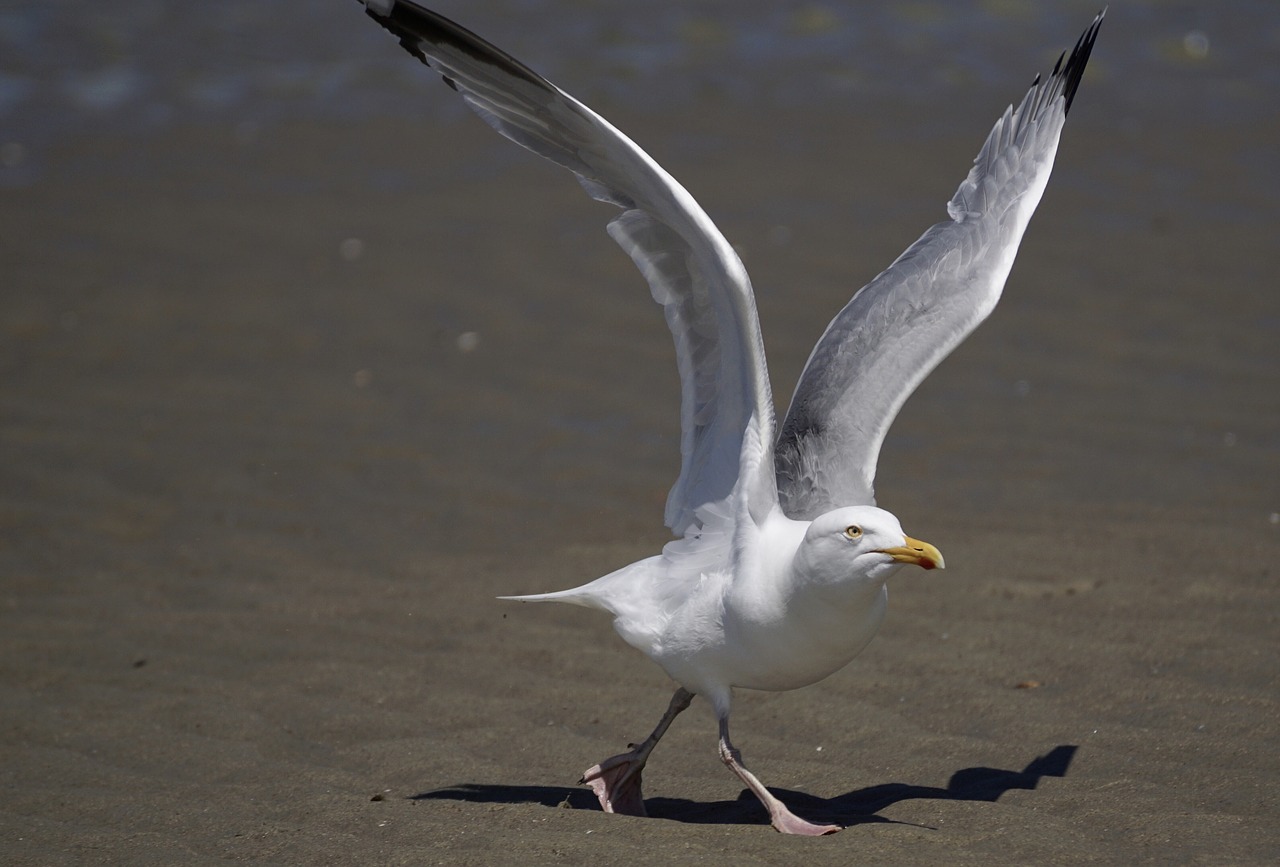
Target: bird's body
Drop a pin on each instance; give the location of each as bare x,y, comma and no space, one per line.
777,576
763,612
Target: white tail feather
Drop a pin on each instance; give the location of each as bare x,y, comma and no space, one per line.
576,596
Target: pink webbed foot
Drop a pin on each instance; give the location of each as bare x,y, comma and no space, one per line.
783,820
788,822
616,782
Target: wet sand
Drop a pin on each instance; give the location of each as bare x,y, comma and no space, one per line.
259,487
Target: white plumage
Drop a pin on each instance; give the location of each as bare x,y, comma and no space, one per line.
777,576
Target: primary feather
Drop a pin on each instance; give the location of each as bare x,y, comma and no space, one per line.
726,407
898,327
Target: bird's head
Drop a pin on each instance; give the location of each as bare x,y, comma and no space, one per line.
862,542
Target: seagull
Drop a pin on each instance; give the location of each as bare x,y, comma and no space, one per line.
776,577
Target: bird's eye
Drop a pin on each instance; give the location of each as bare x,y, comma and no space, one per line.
853,532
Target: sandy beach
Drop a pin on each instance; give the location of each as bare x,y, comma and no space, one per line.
286,404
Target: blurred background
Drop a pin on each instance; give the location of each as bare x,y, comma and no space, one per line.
143,67
249,185
300,365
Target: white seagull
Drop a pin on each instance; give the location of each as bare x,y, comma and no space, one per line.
777,576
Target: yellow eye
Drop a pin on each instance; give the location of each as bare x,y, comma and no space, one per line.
853,532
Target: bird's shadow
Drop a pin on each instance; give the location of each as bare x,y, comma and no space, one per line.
855,807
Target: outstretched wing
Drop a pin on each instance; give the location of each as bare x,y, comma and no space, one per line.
898,327
726,409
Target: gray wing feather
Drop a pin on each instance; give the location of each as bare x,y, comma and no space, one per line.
726,405
898,327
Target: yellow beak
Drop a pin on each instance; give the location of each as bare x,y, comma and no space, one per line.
917,553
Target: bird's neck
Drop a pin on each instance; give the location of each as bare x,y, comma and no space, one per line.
829,582
785,574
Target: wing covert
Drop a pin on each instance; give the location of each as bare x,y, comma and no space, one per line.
898,327
726,414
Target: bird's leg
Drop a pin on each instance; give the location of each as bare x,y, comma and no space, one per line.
783,820
616,780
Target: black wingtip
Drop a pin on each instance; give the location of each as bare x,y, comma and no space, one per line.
1073,71
413,24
